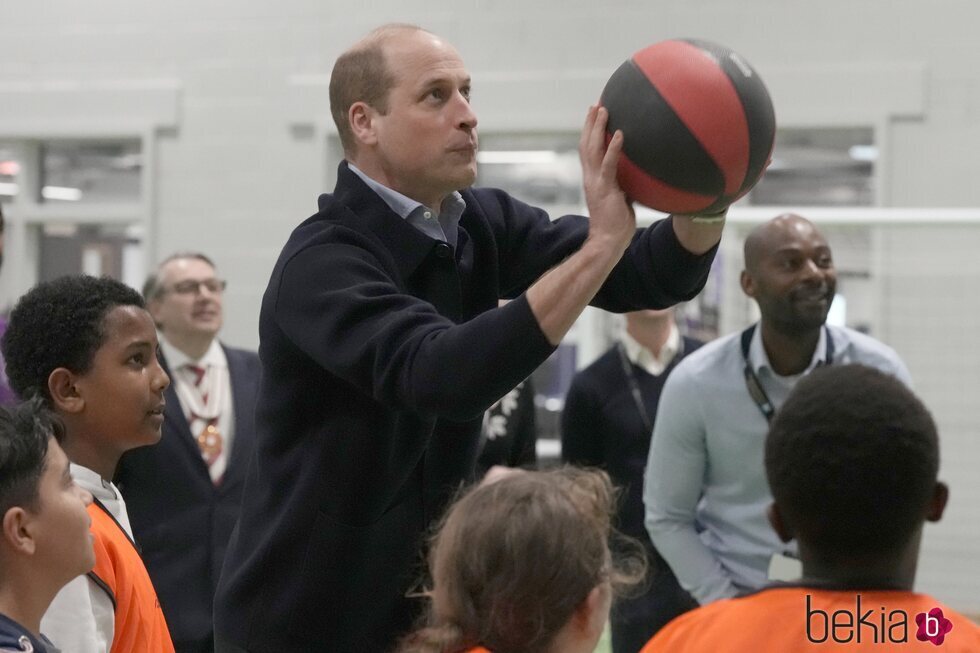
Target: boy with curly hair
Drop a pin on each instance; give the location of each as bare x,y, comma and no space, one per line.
87,347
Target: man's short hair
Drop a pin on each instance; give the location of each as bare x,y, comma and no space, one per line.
153,288
362,75
852,459
24,433
60,323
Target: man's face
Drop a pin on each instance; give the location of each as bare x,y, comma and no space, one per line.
794,280
425,146
190,304
61,521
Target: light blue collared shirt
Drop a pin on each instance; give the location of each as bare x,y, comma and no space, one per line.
705,491
442,226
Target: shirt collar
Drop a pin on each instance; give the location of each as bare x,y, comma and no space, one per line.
645,359
417,213
214,356
99,487
404,205
400,204
760,360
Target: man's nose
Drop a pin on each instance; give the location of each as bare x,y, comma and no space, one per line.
467,117
811,271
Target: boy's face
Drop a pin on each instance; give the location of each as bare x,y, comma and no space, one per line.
123,390
61,522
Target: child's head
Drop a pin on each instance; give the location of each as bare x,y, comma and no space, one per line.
87,346
46,535
523,560
852,458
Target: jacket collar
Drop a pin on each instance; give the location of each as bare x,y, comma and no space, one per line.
407,246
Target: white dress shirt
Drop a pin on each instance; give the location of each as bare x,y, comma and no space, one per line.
216,363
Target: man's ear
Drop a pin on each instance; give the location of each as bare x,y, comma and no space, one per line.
747,283
783,530
17,531
64,391
361,118
937,504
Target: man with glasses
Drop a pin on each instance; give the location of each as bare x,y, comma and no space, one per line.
184,494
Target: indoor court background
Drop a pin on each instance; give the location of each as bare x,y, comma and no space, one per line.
129,130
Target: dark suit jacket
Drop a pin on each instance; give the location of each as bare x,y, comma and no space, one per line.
181,520
379,355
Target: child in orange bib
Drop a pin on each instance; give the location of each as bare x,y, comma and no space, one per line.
87,346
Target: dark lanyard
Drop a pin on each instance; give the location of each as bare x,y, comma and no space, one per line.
752,383
635,385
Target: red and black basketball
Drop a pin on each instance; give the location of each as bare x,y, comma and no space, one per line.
698,125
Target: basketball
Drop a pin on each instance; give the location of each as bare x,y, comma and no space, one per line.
698,125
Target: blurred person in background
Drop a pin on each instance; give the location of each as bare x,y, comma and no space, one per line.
705,489
607,422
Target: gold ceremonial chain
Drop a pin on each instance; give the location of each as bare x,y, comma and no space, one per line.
209,440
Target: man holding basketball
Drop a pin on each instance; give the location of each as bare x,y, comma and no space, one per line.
705,487
382,343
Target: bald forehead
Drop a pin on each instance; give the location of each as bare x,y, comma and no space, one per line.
420,51
782,230
395,41
180,267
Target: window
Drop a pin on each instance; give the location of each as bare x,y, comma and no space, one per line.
819,167
9,169
90,171
540,169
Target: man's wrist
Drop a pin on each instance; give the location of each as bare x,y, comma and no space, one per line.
710,218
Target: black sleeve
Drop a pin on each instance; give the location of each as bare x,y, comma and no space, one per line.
654,272
356,323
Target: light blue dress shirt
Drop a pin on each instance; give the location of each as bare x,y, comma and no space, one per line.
442,226
705,490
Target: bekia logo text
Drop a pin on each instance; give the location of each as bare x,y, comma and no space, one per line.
879,626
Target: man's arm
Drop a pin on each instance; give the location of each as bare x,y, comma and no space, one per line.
672,487
698,237
339,297
560,296
562,293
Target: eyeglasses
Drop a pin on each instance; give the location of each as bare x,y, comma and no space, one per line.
193,286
